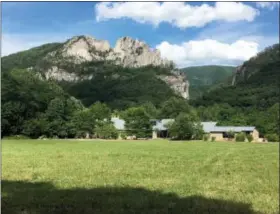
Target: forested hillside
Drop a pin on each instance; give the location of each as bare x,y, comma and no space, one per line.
29,58
252,100
25,97
205,78
96,80
120,87
35,105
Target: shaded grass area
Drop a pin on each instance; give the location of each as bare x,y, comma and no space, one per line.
59,176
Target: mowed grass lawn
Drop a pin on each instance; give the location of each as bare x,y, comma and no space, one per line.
68,176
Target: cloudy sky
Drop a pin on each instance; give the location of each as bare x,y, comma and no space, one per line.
194,33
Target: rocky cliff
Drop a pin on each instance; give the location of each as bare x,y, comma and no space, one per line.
84,58
127,53
178,82
135,53
251,67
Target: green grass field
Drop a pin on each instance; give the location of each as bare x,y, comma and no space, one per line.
64,176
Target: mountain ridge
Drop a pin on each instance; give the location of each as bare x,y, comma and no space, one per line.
83,60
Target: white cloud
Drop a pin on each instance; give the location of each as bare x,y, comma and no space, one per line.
178,14
12,43
267,4
208,52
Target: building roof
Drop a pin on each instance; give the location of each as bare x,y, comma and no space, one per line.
208,126
118,123
233,129
161,124
211,127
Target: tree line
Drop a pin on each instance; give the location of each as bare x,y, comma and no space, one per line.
37,108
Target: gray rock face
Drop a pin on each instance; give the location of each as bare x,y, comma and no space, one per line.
85,49
239,74
62,75
127,53
135,53
178,83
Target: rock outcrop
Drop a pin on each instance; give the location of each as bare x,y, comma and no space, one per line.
127,53
135,53
178,82
252,66
239,74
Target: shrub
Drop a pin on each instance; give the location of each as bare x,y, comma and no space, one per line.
249,138
213,139
230,134
16,137
206,137
198,132
272,137
184,128
106,131
81,134
42,137
123,136
240,137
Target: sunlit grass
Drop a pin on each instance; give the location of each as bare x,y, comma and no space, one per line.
55,176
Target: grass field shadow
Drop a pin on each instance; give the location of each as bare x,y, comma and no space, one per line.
30,198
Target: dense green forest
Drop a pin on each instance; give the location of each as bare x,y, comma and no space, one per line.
205,78
121,87
35,107
28,58
253,100
117,86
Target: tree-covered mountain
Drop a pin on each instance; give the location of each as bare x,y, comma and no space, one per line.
91,71
253,97
54,88
28,58
205,78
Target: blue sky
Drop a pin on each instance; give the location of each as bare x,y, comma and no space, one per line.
187,33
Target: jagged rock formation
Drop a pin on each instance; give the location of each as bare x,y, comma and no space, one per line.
127,53
178,83
86,58
135,53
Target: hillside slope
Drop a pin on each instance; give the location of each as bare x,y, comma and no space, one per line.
256,86
253,66
204,78
91,70
253,99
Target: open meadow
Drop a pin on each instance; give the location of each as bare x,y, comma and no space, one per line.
154,176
